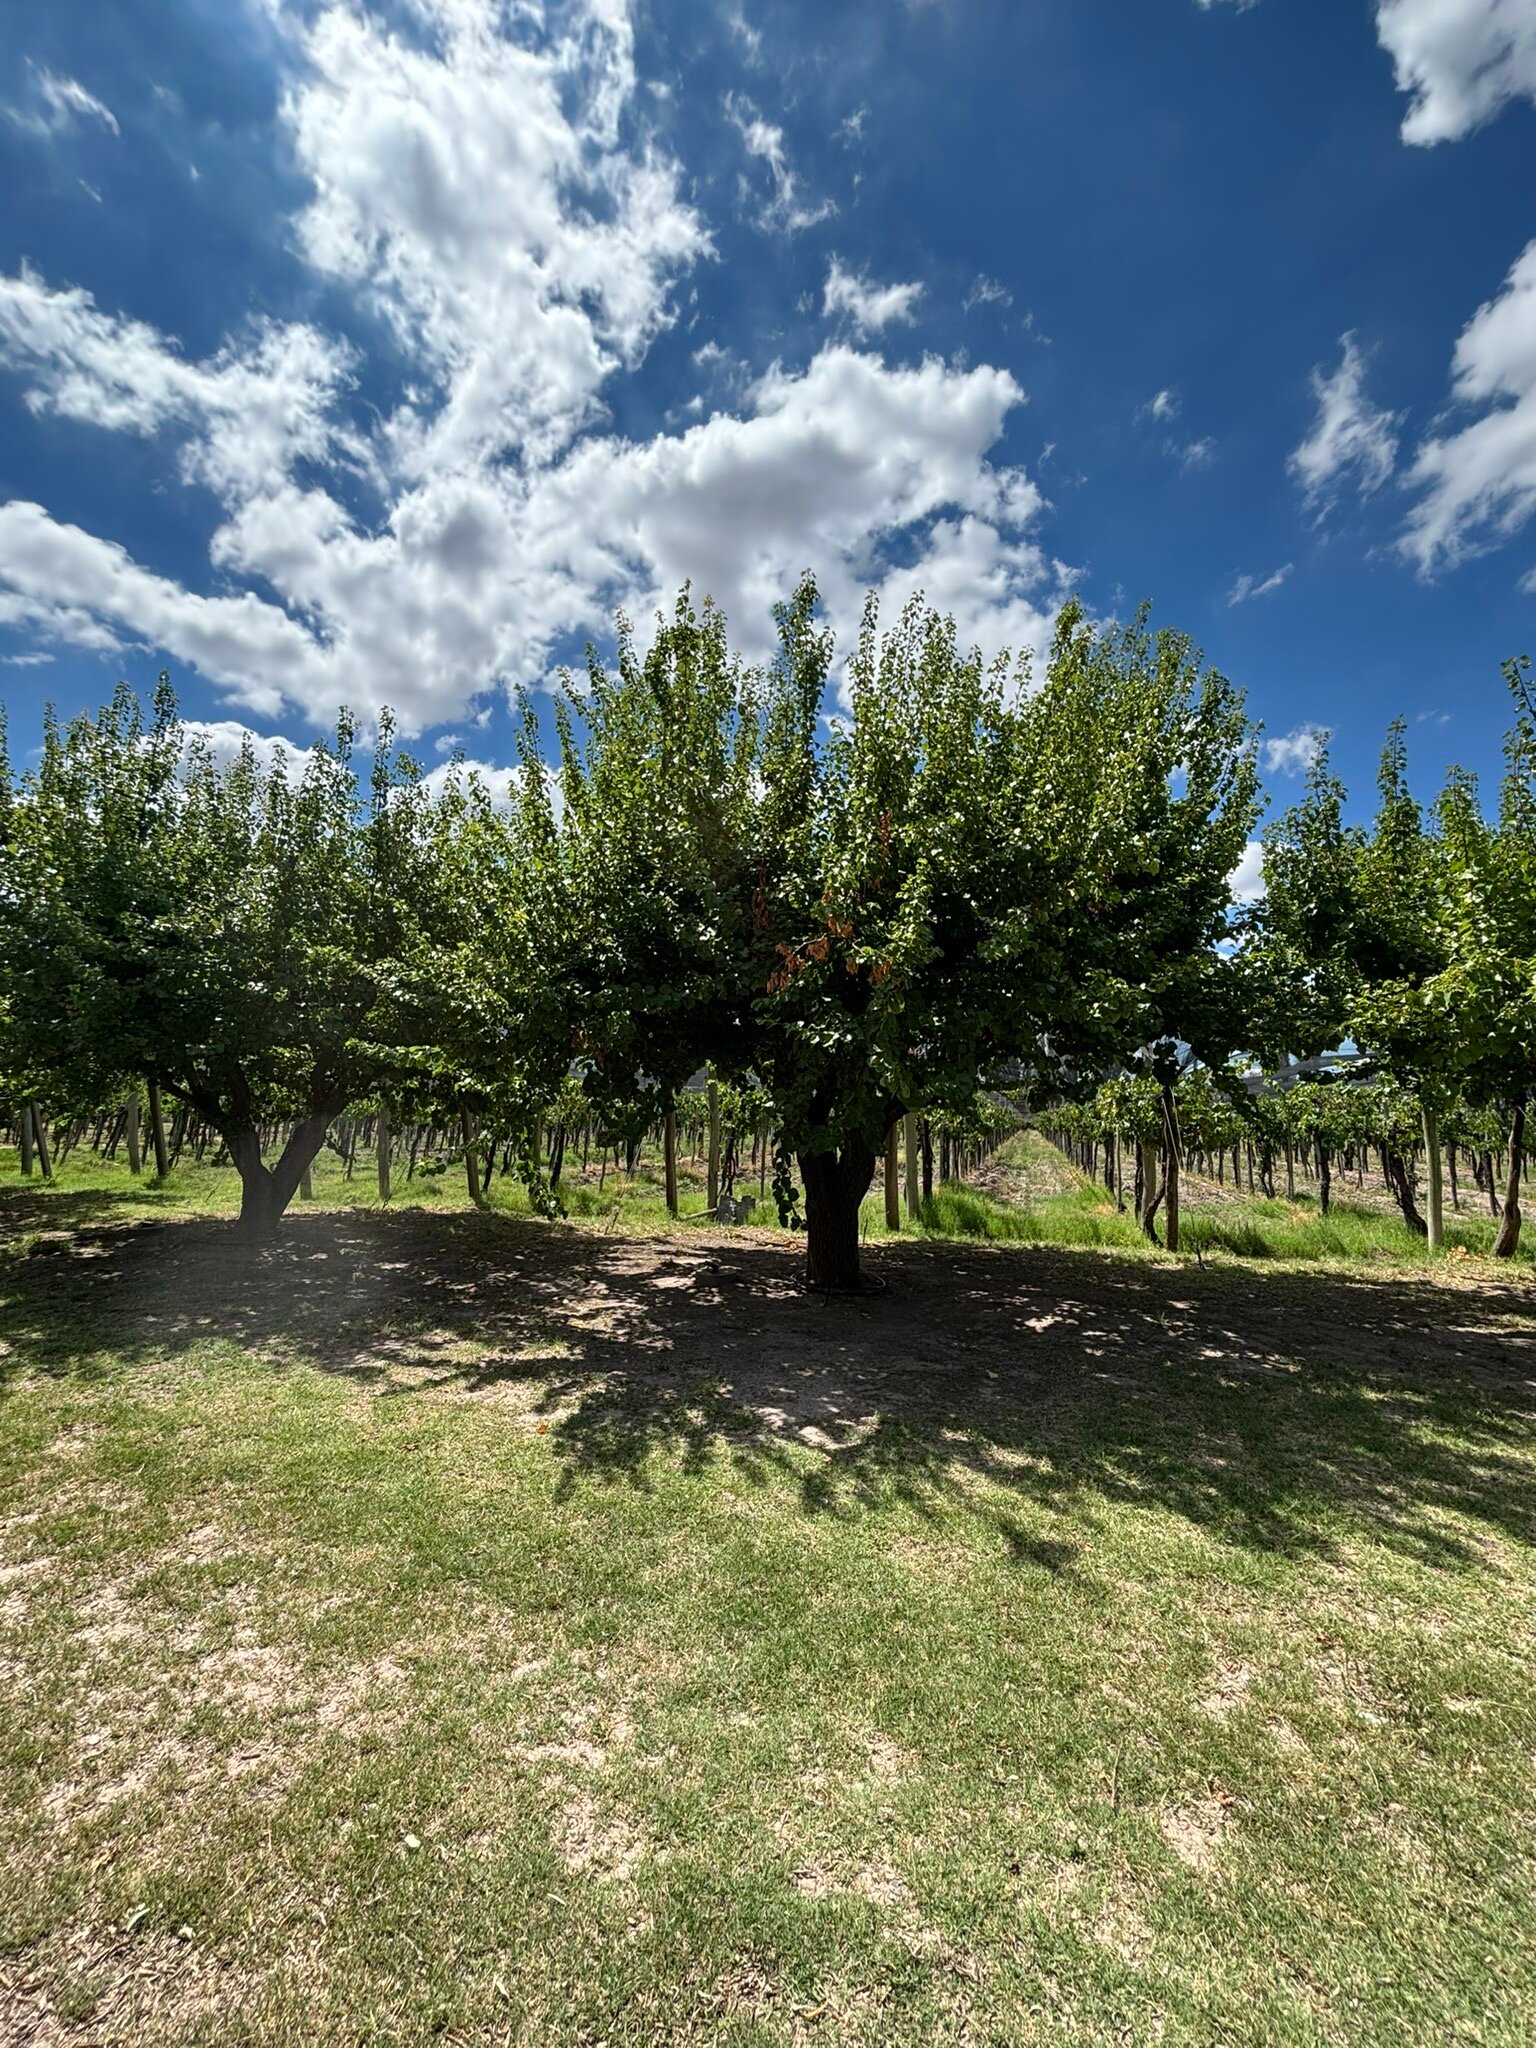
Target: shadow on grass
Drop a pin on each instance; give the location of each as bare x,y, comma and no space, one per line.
1270,1408
37,1206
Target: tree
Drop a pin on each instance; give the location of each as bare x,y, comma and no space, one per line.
234,934
657,759
1354,934
1484,998
964,871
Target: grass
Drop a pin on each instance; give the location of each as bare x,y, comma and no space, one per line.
450,1628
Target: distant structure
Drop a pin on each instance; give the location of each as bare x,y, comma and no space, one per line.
1344,1066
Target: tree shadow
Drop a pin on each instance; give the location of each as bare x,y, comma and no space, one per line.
1272,1409
38,1206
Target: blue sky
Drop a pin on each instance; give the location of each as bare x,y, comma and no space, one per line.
372,352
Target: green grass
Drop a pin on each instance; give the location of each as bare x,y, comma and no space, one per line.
457,1629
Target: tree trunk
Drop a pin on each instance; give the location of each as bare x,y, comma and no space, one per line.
471,1157
382,1144
669,1158
1151,1194
1324,1178
131,1133
1508,1239
712,1183
1434,1196
893,1178
24,1137
157,1131
1400,1183
1290,1172
835,1185
1171,1168
909,1142
266,1191
925,1146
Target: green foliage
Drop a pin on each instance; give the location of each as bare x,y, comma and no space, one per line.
964,872
269,942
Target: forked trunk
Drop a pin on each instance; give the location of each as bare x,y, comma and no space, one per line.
1507,1242
835,1185
266,1191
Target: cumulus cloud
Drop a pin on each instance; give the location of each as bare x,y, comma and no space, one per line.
224,739
1248,587
486,185
476,189
249,413
869,306
1351,438
1477,485
1292,753
1461,60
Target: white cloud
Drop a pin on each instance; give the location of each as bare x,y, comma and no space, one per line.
66,584
223,739
1477,485
869,306
477,191
249,413
500,204
1247,587
56,103
500,784
830,466
1292,753
1462,60
1162,405
1351,437
789,211
1246,881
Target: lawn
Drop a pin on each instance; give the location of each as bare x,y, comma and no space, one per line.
449,1627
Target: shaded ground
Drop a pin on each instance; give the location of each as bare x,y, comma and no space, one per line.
616,1336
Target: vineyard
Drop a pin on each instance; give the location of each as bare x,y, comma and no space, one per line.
788,1385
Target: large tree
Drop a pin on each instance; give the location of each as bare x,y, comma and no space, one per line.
881,910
